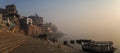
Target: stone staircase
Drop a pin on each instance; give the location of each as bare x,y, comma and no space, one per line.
4,27
9,41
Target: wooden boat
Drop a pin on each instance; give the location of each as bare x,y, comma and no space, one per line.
98,46
82,40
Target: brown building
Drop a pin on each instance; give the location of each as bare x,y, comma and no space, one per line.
3,11
11,9
34,31
0,16
10,13
28,28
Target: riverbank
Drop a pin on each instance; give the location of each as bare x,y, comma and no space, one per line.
35,45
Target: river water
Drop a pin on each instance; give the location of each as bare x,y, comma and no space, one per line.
77,46
115,40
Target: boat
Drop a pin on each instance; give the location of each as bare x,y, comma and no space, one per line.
83,40
98,46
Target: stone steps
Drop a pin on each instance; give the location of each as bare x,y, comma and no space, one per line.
8,44
5,41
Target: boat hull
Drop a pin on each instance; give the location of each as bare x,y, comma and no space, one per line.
95,51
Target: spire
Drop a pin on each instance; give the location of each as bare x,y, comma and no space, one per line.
36,15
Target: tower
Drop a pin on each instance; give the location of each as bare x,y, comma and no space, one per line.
11,12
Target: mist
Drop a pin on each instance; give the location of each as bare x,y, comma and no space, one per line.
89,20
79,19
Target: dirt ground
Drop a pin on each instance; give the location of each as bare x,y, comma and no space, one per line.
35,45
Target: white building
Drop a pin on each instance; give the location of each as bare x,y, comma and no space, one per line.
29,21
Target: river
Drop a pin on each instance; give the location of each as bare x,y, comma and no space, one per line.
77,46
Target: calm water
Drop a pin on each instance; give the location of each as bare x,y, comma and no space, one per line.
77,46
115,40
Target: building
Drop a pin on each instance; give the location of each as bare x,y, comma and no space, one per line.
38,21
10,13
0,16
11,9
34,31
28,28
29,21
26,20
3,11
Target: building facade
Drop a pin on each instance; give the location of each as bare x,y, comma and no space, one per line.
29,21
10,13
11,9
0,16
37,20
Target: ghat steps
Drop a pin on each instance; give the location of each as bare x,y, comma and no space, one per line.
9,41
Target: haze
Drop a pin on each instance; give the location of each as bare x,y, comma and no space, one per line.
93,19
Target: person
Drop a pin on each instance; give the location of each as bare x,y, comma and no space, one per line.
12,26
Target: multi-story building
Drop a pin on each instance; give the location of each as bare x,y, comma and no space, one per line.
34,31
37,20
11,9
10,13
26,20
29,29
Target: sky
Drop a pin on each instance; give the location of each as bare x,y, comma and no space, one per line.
94,19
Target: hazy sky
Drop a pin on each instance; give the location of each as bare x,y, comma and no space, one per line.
77,18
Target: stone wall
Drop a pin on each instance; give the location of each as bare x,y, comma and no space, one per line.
34,31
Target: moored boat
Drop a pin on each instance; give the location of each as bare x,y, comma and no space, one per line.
98,46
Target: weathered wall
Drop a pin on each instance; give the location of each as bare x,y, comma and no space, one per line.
34,31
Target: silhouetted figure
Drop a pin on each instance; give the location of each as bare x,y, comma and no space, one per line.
78,41
65,43
72,42
43,36
7,24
